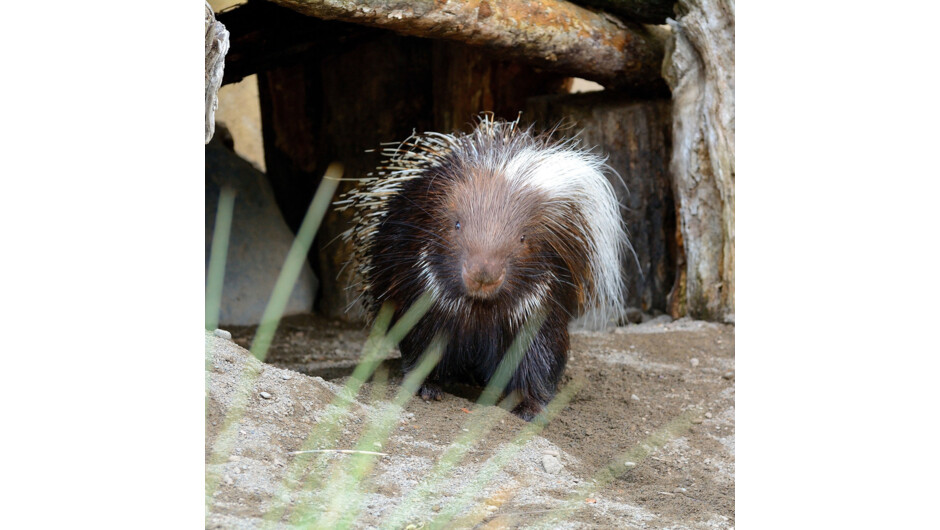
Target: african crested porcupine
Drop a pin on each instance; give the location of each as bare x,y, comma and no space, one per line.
499,224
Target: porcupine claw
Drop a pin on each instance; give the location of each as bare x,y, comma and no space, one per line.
429,391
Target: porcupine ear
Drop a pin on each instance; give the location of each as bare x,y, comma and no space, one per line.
581,207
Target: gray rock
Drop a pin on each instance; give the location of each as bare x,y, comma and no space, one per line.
693,361
258,244
265,395
551,464
661,319
633,315
223,334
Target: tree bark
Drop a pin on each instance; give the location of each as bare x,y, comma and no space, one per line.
699,68
551,34
216,47
320,110
468,81
636,138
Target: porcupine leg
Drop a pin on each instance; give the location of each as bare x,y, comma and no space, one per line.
536,379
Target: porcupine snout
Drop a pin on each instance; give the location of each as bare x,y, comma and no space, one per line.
483,276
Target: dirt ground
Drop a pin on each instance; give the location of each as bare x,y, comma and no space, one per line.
638,380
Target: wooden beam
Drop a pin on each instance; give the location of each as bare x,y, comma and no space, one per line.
551,34
266,36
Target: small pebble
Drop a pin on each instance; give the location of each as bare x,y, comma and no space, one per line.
492,508
229,480
286,377
265,395
222,334
728,375
696,421
708,415
465,430
694,362
634,397
629,464
679,490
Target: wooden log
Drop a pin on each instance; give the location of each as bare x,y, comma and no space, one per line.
550,34
649,11
320,110
266,36
700,70
636,136
216,46
469,80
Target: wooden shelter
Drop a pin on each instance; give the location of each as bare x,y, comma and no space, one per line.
339,77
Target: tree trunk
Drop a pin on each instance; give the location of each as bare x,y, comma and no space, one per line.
699,68
468,81
321,110
636,137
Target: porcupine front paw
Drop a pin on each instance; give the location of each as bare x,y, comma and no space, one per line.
429,391
530,409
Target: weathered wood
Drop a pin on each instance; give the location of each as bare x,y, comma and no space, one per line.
700,69
649,11
216,47
266,36
636,136
322,109
469,80
550,34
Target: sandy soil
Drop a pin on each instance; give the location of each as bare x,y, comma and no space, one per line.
639,380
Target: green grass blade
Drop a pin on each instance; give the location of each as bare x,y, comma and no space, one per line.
296,257
217,255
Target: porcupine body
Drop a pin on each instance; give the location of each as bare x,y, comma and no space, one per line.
500,225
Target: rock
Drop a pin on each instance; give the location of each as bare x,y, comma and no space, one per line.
633,315
728,375
693,361
658,321
629,465
265,395
223,334
708,415
551,464
634,397
679,490
258,243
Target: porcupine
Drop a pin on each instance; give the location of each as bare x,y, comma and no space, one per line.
499,224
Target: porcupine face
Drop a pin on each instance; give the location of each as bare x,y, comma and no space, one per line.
493,250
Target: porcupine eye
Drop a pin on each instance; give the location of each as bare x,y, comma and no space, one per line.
522,238
457,227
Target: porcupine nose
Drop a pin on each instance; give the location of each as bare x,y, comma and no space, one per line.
483,277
